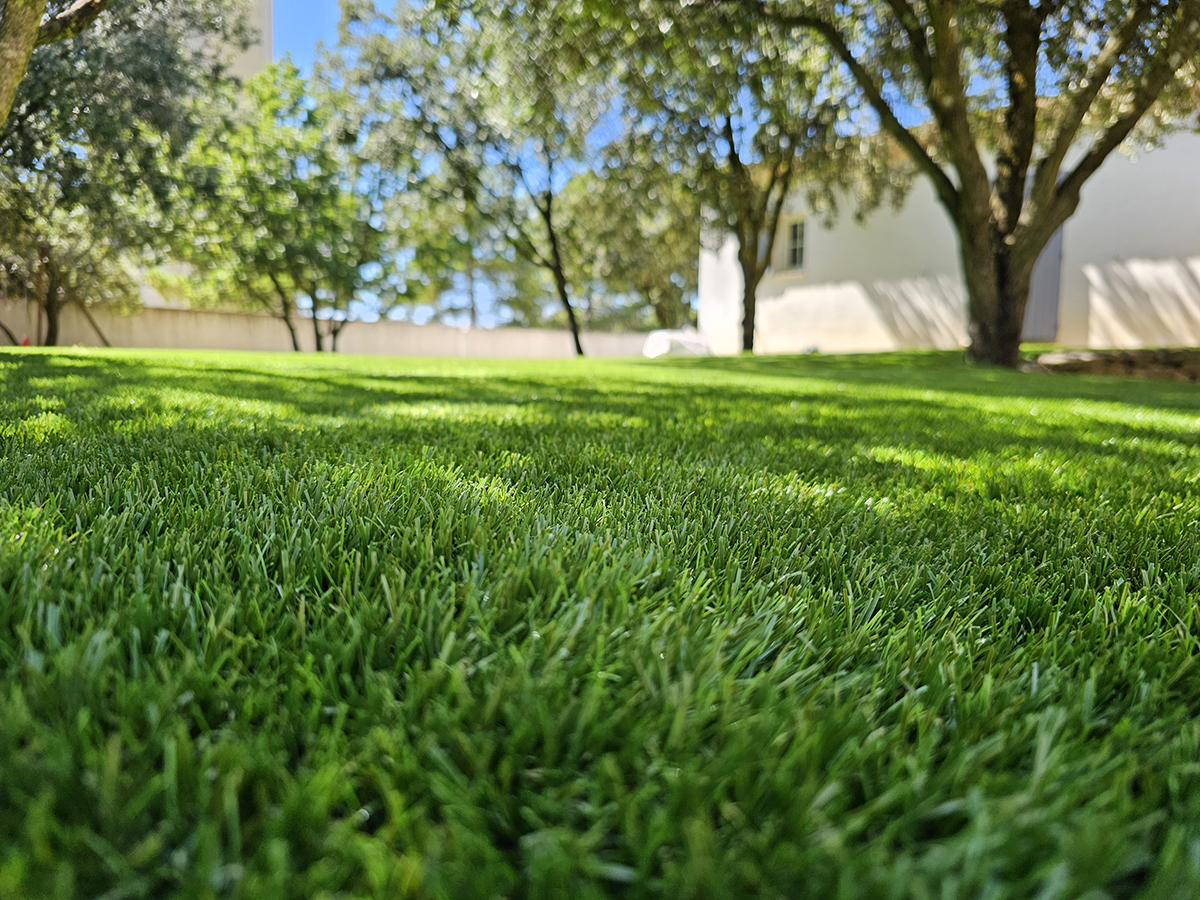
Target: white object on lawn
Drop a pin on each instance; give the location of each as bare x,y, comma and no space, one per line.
676,342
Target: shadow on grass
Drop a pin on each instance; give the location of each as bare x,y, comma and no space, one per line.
769,426
948,371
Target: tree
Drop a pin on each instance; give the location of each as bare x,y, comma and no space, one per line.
283,212
485,111
26,25
1008,107
643,228
86,190
461,265
734,111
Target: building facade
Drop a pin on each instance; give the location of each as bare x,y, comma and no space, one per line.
1123,272
256,58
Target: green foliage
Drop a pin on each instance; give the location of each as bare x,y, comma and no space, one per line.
461,266
826,627
85,172
743,118
482,109
281,207
642,229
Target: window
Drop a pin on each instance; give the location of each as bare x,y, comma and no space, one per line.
795,246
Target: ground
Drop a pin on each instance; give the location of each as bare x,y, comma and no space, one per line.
284,626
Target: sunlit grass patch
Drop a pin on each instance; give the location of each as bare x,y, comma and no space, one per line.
295,627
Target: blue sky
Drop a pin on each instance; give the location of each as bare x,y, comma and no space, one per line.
300,24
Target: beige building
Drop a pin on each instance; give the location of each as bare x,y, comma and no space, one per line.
1124,271
260,55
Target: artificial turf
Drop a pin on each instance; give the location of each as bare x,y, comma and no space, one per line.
284,626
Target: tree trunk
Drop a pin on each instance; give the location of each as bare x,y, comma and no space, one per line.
997,284
53,307
284,313
560,282
560,275
748,260
48,295
335,332
668,308
287,320
8,333
87,314
20,21
473,308
317,336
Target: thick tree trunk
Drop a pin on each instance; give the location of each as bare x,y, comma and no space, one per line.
20,21
53,308
47,291
998,286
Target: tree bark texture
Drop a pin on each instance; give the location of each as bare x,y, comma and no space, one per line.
998,282
20,21
53,308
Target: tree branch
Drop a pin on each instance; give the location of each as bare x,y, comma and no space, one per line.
946,190
71,21
947,95
1180,47
1118,43
87,314
1023,30
784,182
906,15
9,334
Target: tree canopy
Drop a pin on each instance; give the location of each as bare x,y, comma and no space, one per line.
26,25
282,212
483,106
87,193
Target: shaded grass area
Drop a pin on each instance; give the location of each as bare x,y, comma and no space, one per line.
819,627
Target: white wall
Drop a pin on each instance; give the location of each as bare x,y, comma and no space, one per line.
1131,256
888,284
209,330
719,300
256,58
1130,272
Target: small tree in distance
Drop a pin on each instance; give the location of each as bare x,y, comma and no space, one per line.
483,110
738,116
283,214
643,232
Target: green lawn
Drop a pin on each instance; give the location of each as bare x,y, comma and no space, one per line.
277,626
